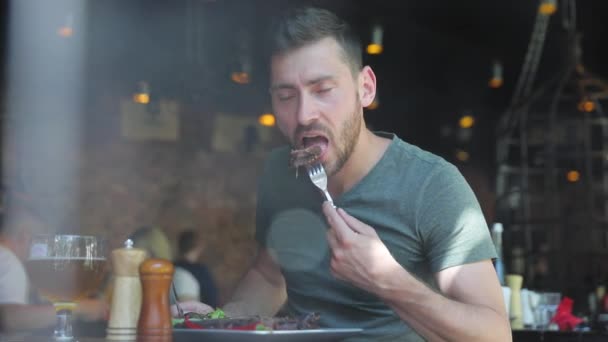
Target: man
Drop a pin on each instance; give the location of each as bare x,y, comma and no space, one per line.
190,248
17,224
407,254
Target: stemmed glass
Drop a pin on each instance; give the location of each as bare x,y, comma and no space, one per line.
64,269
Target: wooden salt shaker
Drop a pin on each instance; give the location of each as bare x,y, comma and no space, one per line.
155,323
126,293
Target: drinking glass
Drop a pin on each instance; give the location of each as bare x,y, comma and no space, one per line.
546,308
64,269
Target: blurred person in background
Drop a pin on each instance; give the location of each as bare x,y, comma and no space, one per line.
19,310
156,243
189,267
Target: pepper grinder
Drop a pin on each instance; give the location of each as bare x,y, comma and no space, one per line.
126,295
155,323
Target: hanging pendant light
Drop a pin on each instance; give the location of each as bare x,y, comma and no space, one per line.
67,30
241,72
548,7
496,79
142,96
375,47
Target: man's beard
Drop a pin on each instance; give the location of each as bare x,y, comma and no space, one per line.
347,139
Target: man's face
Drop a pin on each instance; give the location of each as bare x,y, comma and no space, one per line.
316,101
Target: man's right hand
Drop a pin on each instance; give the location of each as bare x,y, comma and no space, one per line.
191,306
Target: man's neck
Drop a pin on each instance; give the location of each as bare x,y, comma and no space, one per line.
366,154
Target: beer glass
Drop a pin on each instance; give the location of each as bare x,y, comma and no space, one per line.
64,269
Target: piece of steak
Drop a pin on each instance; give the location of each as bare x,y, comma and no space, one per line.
304,157
309,321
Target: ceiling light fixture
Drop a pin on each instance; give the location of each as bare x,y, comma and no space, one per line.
143,94
375,47
548,7
496,79
67,30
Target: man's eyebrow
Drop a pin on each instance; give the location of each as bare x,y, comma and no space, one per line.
319,80
309,83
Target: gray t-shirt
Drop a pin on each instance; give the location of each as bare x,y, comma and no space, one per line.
421,207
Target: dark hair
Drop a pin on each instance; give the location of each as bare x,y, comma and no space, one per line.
186,242
303,26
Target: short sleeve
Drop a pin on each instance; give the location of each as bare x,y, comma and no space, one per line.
450,221
13,279
186,285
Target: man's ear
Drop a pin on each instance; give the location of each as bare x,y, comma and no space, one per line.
367,86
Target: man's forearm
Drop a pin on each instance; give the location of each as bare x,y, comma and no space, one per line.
256,295
438,318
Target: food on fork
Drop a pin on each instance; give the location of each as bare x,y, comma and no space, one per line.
304,157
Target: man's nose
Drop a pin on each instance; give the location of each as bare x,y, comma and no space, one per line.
307,110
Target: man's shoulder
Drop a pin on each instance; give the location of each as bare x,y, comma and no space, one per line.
415,156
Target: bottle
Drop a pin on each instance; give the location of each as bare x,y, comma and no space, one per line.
497,230
126,294
601,319
514,282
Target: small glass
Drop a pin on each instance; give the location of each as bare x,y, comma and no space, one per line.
546,309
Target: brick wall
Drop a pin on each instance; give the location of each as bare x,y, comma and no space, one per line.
126,185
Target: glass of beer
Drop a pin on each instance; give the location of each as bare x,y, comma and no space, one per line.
64,269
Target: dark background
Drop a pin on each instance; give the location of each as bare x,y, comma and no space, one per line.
435,66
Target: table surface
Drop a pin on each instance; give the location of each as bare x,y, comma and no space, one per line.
98,335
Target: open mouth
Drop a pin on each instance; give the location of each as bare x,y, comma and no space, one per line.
318,141
310,150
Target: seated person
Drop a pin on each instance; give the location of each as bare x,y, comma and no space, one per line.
190,249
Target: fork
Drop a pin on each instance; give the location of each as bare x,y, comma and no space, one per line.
319,179
180,311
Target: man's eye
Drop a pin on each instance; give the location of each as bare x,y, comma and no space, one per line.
285,97
324,90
